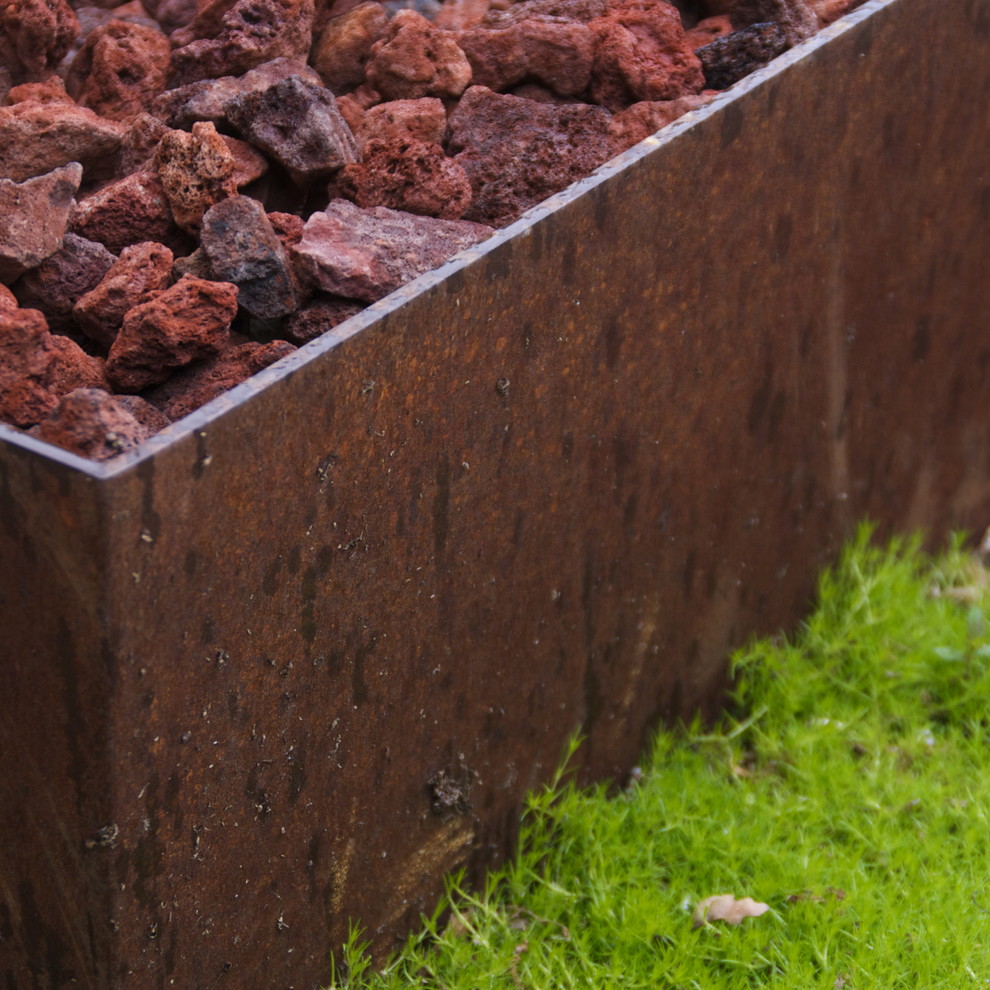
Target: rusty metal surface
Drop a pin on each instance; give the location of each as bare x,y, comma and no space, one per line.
306,652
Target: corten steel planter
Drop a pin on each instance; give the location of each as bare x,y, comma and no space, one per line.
295,659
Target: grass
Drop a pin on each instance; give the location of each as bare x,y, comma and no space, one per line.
849,791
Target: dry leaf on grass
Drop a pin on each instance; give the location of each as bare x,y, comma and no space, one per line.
724,907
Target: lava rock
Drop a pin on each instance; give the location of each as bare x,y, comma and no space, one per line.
404,120
33,218
708,29
249,165
583,11
458,15
129,211
556,52
795,18
365,254
518,152
319,317
829,11
733,56
194,386
342,52
208,98
414,59
120,69
642,53
141,271
94,424
170,14
643,119
244,249
37,137
50,90
35,35
187,322
249,33
196,171
140,142
414,176
37,367
298,124
60,280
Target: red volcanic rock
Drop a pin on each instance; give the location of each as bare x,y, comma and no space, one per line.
414,59
36,367
244,249
187,322
33,218
828,11
7,299
131,210
208,98
140,142
553,51
249,165
58,282
38,137
249,33
415,176
344,46
708,29
642,53
796,18
643,119
517,152
95,424
583,11
51,90
196,170
141,271
365,254
404,120
71,367
34,37
196,263
196,385
25,356
170,14
288,226
457,15
120,69
729,58
319,316
297,123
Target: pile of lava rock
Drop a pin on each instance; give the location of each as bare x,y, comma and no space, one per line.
190,189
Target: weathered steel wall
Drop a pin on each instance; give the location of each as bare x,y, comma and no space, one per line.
290,664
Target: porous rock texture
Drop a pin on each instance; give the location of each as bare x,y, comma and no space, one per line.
175,174
197,384
38,136
55,286
365,254
517,152
244,249
187,322
94,424
33,218
196,170
141,271
642,53
38,367
410,175
414,59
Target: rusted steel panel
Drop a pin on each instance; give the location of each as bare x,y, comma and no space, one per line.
305,652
